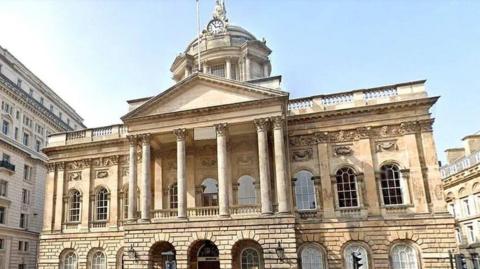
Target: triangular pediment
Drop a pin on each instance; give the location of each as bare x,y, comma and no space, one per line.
202,91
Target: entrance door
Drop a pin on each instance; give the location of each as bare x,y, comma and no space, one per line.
207,257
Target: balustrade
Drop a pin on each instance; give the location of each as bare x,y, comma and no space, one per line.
97,224
337,99
245,209
165,213
303,103
202,211
379,93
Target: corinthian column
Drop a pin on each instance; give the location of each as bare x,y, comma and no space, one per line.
132,179
146,178
280,171
222,169
181,173
262,127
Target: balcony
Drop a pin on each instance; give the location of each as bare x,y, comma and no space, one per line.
87,136
7,166
236,211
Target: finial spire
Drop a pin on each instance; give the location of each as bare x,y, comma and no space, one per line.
220,12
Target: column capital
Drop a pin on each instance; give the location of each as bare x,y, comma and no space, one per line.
180,133
278,122
261,124
145,138
221,129
132,139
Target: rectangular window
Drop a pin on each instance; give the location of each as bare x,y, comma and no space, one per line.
38,145
68,122
19,83
458,235
26,138
3,188
451,209
20,245
51,108
218,70
17,115
470,233
31,92
16,133
23,220
6,157
27,172
5,127
475,261
25,196
466,207
22,266
2,215
60,115
41,100
2,243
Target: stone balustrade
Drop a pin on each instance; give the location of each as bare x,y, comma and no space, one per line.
358,98
204,211
165,213
460,165
87,135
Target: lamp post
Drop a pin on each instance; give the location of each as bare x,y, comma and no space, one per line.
280,251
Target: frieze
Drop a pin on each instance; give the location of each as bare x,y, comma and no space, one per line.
361,133
124,171
79,164
302,155
51,167
105,161
208,163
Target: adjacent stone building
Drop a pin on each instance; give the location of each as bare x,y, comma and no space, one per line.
224,170
461,179
30,111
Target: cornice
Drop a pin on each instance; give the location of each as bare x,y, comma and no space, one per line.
19,148
85,146
430,101
205,110
462,176
38,109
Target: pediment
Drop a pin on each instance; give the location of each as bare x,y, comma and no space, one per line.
202,91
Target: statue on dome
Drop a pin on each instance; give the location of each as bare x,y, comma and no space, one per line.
220,12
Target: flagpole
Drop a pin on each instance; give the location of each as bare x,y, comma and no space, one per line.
198,38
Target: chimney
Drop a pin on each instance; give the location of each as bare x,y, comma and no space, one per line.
471,143
454,154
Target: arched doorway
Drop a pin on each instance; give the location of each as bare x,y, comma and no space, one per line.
162,256
204,255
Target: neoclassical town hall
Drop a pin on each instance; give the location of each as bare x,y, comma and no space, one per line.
224,170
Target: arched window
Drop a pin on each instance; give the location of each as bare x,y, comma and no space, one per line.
404,257
304,190
250,259
312,258
74,206
102,204
173,196
347,187
391,184
355,254
69,261
210,192
246,191
99,261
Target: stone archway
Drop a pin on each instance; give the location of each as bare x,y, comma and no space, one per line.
203,254
162,255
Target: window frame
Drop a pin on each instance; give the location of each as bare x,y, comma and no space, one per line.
72,200
313,246
358,244
416,259
403,187
246,199
259,259
358,180
102,191
103,260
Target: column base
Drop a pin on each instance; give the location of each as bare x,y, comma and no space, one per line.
144,221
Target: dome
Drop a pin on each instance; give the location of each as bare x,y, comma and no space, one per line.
224,50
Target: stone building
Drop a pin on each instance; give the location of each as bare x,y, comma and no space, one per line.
224,170
30,111
461,179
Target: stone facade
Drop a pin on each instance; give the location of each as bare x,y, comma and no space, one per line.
461,178
30,111
222,171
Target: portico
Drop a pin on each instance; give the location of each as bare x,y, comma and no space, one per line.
214,139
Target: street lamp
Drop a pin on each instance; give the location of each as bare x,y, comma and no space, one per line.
280,252
132,254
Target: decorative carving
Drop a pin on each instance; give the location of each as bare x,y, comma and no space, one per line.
302,155
221,129
132,139
245,160
180,133
105,161
362,133
60,166
79,164
74,176
51,167
220,12
277,122
145,139
102,173
124,171
261,124
386,146
439,192
209,163
342,150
